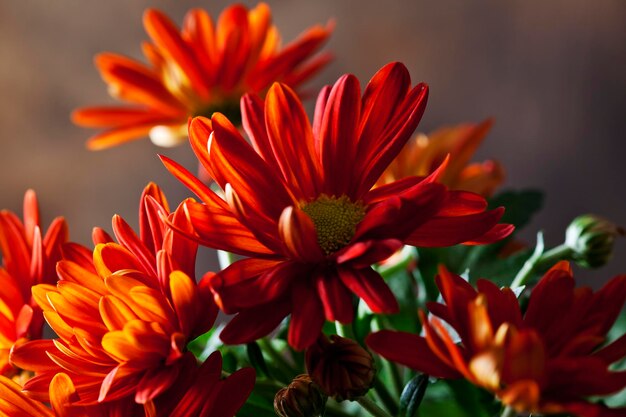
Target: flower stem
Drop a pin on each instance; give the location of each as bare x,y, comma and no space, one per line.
508,412
540,258
224,258
345,330
285,369
385,396
372,407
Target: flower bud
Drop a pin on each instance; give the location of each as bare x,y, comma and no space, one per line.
302,398
591,238
341,367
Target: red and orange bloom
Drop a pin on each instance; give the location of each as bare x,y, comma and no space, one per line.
197,70
195,397
423,154
548,360
63,399
124,317
298,204
28,258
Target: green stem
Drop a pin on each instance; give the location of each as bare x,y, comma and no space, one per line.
224,258
372,407
286,370
508,412
385,396
335,410
269,383
539,259
345,330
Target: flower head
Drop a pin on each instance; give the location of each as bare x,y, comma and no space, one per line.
548,360
340,367
423,154
298,203
28,258
591,239
124,316
301,398
197,70
196,396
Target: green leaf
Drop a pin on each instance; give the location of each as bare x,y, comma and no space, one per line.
205,344
412,396
519,206
404,287
255,356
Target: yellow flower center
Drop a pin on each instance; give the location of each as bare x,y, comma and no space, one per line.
335,220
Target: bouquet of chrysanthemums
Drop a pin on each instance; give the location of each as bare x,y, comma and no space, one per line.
364,269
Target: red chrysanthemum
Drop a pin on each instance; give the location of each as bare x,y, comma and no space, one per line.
28,258
298,203
548,360
204,67
124,317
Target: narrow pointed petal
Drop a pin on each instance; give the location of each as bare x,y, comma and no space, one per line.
292,143
409,350
298,233
307,317
335,297
256,322
338,135
370,286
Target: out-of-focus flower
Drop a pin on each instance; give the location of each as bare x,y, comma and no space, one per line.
124,317
202,68
302,398
298,204
549,360
423,154
28,258
341,367
591,239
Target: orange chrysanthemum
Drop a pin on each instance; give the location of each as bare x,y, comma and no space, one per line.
196,396
298,204
423,154
28,258
203,68
548,360
63,398
124,318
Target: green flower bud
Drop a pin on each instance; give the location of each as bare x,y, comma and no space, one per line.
302,398
340,367
591,239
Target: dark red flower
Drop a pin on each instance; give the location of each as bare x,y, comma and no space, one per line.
298,203
549,360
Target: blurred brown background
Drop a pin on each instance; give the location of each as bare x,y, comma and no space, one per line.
553,74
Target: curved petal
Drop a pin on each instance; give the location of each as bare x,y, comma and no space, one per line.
256,322
291,140
370,286
250,282
297,231
167,37
409,350
335,297
448,231
235,162
307,316
338,136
